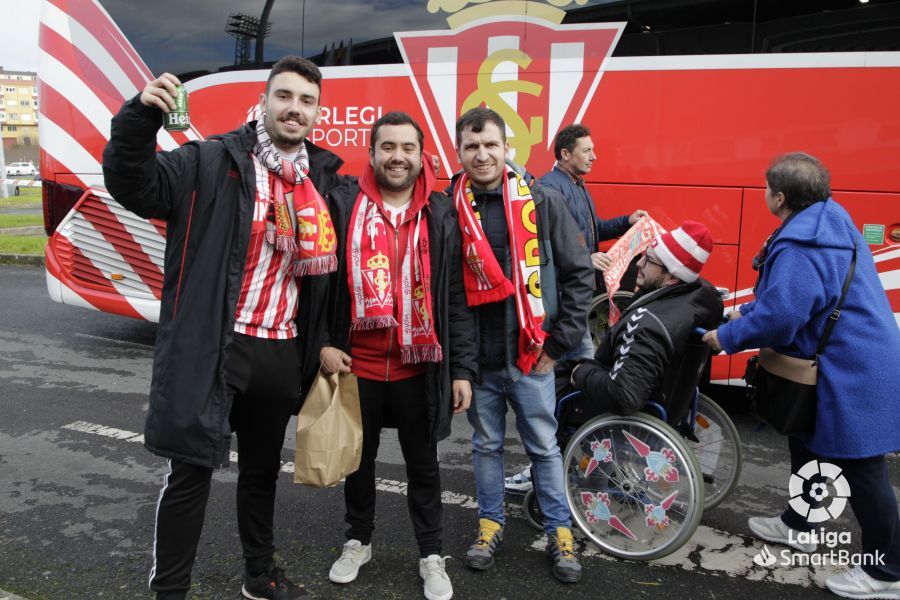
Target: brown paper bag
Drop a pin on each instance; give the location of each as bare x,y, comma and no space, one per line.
329,431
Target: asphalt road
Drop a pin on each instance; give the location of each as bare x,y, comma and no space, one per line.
78,492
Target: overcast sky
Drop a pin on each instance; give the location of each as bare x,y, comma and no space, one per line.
199,41
18,43
328,22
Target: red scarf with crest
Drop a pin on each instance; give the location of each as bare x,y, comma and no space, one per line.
483,275
312,241
373,267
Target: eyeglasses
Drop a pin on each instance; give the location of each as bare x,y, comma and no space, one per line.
654,262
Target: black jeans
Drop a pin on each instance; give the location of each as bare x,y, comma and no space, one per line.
263,384
872,500
401,403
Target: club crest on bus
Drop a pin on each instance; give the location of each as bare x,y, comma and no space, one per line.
514,58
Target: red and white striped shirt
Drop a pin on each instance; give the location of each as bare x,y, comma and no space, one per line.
269,292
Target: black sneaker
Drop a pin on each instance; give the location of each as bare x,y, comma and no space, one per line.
271,586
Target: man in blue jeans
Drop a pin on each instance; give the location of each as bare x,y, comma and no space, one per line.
528,273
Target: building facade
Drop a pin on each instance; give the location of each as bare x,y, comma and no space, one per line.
19,115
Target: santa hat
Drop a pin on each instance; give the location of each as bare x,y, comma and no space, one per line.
684,251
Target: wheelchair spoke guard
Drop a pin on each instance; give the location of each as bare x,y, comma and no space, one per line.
634,487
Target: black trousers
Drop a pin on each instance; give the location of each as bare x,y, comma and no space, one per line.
872,500
263,384
401,403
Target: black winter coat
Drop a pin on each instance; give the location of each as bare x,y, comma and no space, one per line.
631,362
206,192
453,320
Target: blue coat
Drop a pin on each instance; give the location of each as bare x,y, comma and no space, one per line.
581,205
858,411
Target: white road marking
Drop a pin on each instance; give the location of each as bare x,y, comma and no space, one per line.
385,485
103,431
709,550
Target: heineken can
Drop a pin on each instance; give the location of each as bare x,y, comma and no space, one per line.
178,119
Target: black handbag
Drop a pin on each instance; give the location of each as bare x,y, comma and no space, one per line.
781,388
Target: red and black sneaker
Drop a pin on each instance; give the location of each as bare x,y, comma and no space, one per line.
272,585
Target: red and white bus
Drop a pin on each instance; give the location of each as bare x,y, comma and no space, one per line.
687,101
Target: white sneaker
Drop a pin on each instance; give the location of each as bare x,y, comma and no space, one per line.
856,583
773,529
346,568
520,482
437,584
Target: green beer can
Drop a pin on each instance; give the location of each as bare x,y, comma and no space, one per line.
178,119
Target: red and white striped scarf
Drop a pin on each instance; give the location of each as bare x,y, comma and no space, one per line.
370,269
312,242
483,275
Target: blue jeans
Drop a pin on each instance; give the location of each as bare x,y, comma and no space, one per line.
533,399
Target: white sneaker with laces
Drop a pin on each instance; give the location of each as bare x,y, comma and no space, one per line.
773,529
346,568
856,583
437,584
520,482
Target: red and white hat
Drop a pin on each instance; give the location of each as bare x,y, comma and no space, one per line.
684,251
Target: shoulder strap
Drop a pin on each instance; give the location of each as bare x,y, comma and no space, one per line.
836,313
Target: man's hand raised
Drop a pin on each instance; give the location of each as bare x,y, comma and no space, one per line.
636,216
161,92
601,261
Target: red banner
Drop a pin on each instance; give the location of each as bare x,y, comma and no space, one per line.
635,241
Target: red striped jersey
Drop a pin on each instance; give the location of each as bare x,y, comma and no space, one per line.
269,291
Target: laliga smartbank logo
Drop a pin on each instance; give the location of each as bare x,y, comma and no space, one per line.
819,492
514,57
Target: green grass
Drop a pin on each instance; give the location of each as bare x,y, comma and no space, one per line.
26,197
7,221
23,244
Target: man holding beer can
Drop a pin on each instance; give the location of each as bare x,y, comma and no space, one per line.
228,355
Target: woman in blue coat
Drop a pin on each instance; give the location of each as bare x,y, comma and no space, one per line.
802,269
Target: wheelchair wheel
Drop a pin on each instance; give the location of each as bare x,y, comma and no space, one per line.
633,486
718,450
598,315
532,510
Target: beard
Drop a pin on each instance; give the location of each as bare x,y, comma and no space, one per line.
648,286
280,137
393,185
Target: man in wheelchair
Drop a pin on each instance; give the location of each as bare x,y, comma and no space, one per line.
633,487
641,356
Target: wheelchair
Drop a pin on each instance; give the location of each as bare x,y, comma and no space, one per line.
637,485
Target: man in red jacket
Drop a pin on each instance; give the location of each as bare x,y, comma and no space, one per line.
401,324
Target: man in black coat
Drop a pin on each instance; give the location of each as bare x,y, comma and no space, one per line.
228,349
634,357
399,321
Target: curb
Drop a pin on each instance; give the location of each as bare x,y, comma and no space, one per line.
30,260
9,596
28,230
